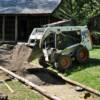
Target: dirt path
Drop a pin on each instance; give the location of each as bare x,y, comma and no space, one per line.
67,92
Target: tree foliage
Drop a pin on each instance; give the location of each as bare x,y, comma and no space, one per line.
79,10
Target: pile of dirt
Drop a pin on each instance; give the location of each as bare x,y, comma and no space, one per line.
15,58
20,55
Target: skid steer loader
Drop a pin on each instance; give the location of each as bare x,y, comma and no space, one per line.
61,45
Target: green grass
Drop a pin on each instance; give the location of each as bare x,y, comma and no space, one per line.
21,92
89,73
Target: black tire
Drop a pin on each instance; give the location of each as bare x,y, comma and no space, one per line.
42,62
64,62
82,54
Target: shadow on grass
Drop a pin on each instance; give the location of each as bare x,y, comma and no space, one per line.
78,67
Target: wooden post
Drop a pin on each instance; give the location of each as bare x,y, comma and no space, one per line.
3,29
35,87
16,28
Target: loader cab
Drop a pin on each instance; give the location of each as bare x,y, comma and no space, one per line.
62,40
63,45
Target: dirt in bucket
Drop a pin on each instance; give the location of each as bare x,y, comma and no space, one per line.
15,58
20,55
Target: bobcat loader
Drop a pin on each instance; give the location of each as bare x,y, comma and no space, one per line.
61,45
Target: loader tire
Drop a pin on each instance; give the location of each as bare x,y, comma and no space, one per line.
64,62
42,62
82,55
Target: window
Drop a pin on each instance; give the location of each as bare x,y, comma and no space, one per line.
9,28
66,39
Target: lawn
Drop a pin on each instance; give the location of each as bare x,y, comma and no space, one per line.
88,74
20,92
